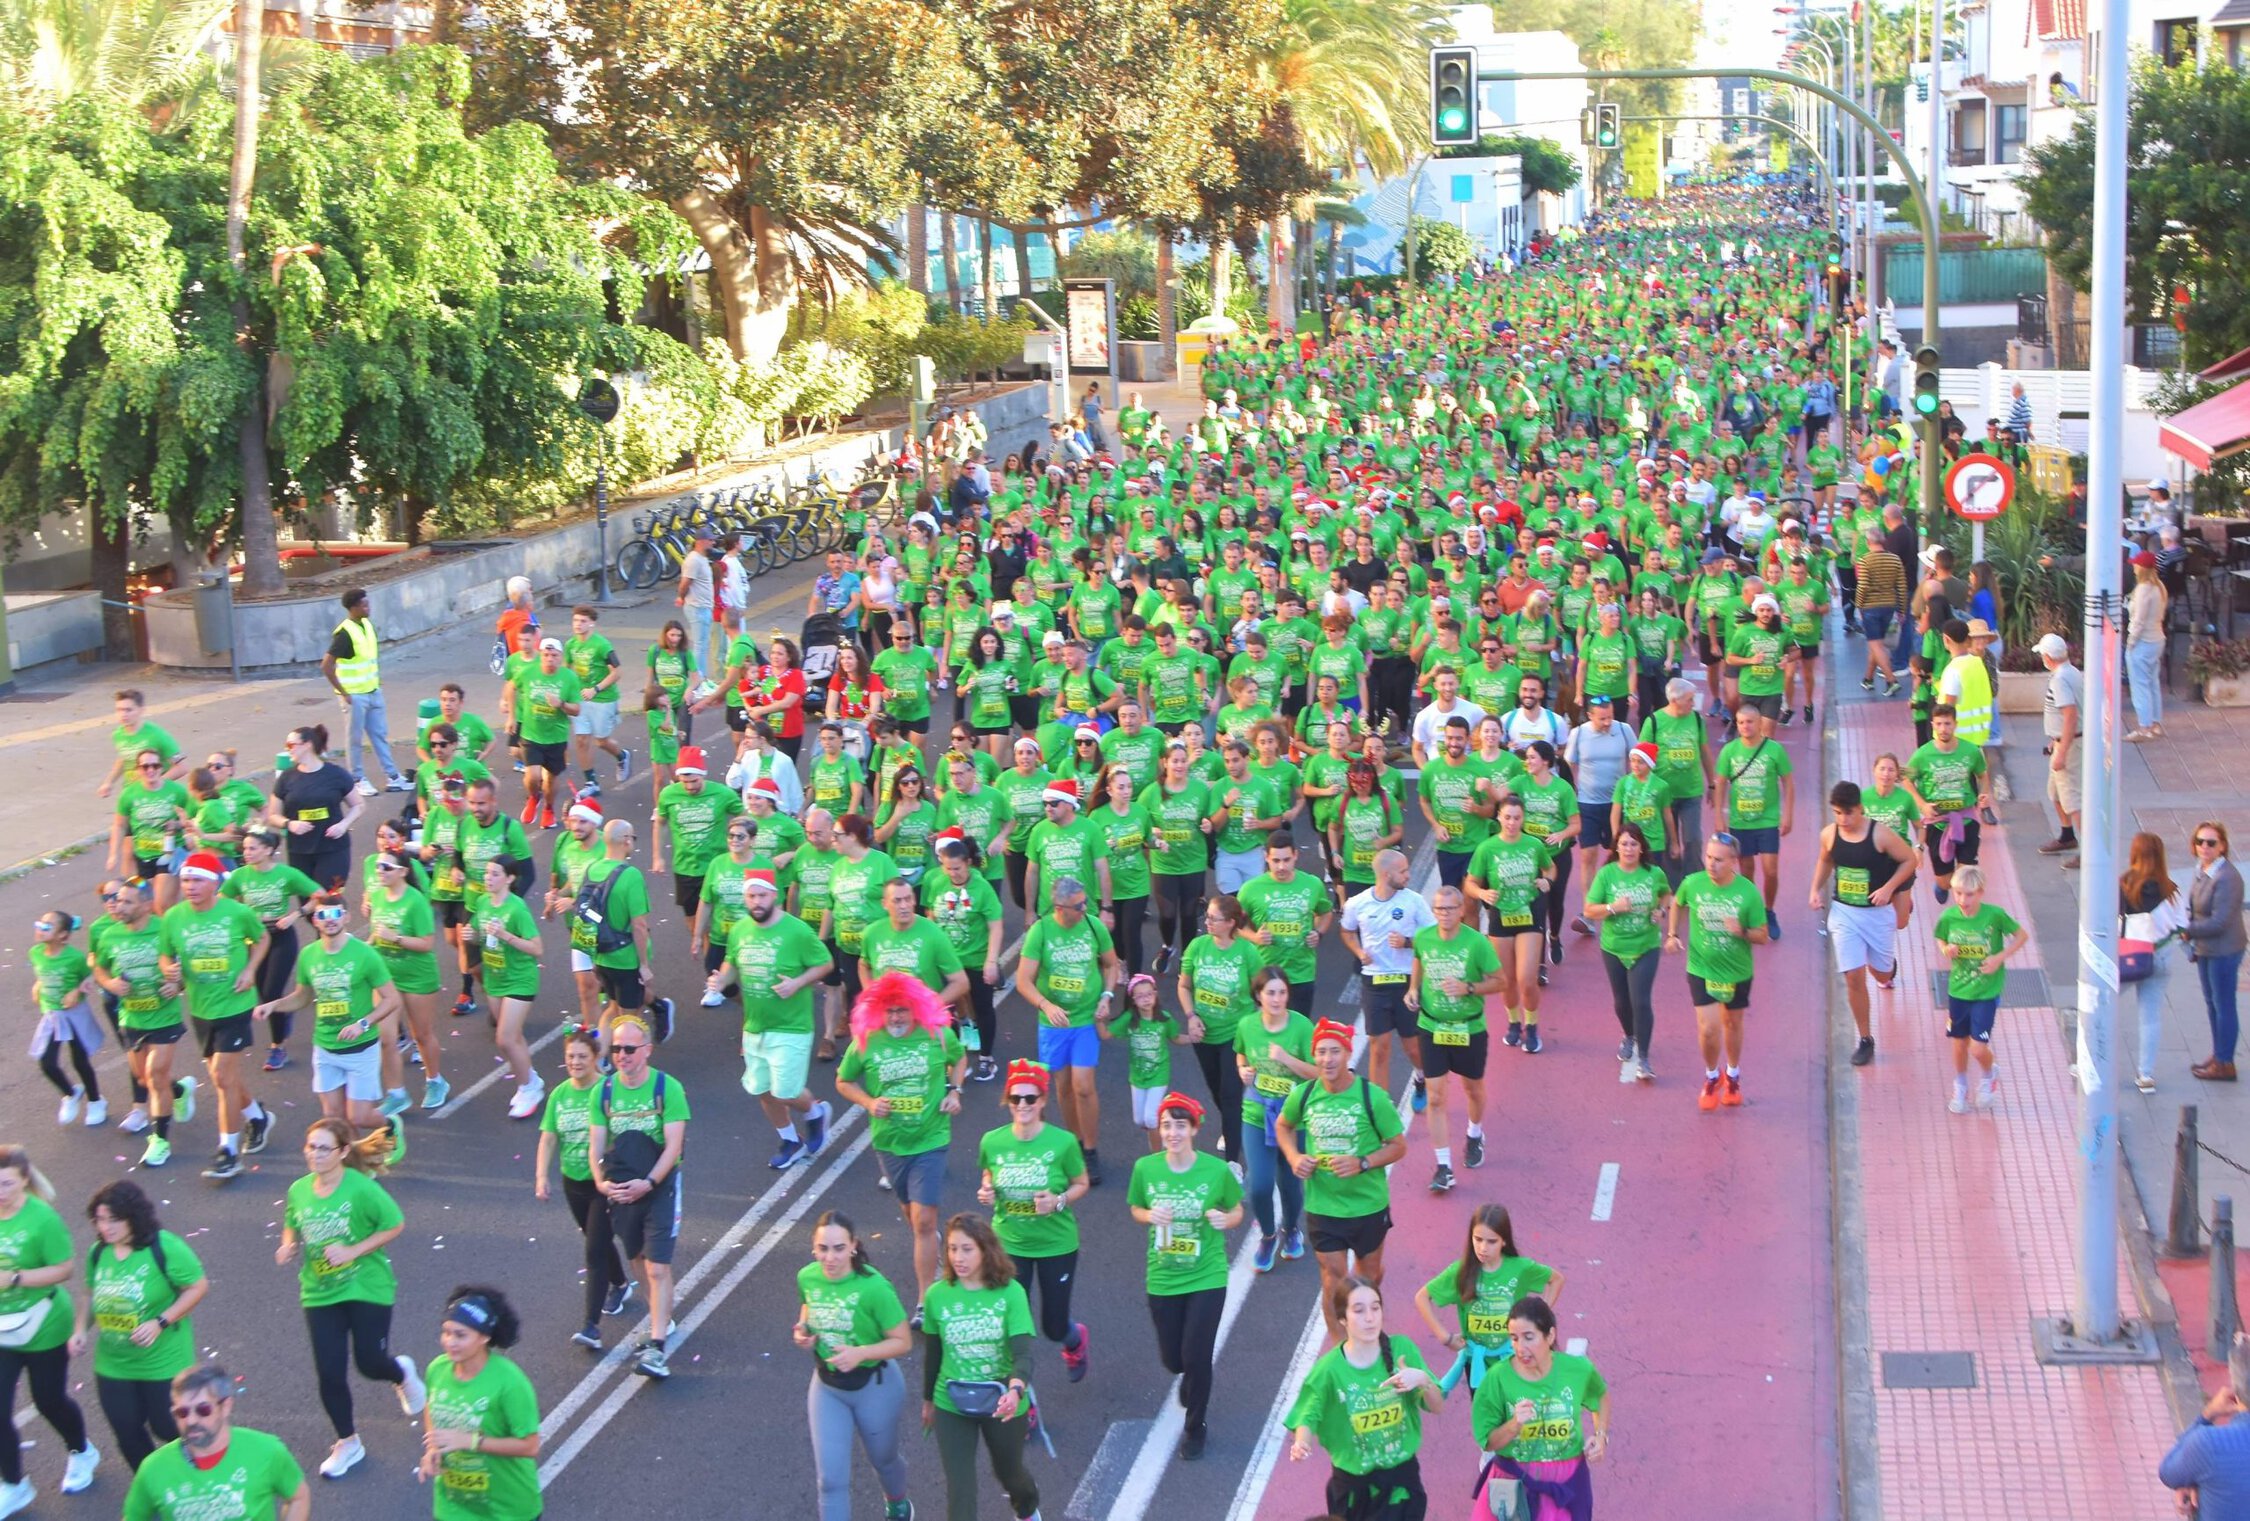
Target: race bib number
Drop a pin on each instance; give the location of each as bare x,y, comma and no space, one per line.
144,1004
1381,1418
1182,1248
208,966
322,1267
1018,1207
1515,918
1721,992
453,879
1445,1036
333,1008
1485,1325
1390,979
493,959
906,1105
1278,1085
1361,855
1062,984
117,1325
1548,1431
466,1481
314,815
1286,929
1852,884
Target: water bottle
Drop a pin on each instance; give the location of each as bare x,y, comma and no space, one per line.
971,1042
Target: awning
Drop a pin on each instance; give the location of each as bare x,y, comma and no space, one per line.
2209,430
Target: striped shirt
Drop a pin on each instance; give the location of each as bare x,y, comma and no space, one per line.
1882,580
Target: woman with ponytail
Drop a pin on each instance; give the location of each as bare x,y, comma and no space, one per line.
850,1319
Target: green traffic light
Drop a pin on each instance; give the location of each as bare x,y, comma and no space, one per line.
1926,404
1453,118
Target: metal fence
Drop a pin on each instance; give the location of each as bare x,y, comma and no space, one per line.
1971,275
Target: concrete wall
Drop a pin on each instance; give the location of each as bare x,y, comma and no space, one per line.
46,627
468,585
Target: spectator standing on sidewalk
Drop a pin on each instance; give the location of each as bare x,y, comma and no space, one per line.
2153,913
352,668
2065,727
2216,942
2210,1463
2146,605
697,596
2019,414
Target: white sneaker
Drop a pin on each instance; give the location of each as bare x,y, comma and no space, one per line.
712,998
1959,1104
342,1458
72,1108
365,788
97,1112
413,1394
1984,1094
528,1099
135,1121
16,1497
1625,1070
78,1469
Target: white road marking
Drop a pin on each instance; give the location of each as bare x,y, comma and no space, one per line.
498,1072
1576,1346
1273,1437
1605,1192
1139,1489
592,1426
615,1358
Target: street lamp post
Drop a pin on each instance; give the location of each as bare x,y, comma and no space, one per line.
597,398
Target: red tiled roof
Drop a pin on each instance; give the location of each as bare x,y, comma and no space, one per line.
2056,21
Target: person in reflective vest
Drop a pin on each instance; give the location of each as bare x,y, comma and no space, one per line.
351,668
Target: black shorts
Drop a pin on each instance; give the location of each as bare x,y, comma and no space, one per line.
451,913
622,985
1699,994
1360,1235
913,725
554,757
1768,703
687,892
1383,1005
1467,1061
1024,708
648,1228
1964,850
149,868
1006,728
1506,932
1710,653
1808,651
1593,825
738,719
220,1037
835,977
163,1035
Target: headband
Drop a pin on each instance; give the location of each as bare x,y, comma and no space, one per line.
1184,1104
1329,1029
474,1311
1024,1071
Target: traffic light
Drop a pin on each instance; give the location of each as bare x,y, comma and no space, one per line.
1925,382
1605,126
1453,97
1835,255
1586,128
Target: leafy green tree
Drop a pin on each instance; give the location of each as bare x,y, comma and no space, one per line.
1127,256
2187,221
1441,249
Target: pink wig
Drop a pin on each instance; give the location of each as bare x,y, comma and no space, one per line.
895,990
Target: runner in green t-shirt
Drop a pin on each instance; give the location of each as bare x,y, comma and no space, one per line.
1032,1174
905,1066
1629,898
1188,1199
1949,781
480,1446
1541,1405
1724,916
211,950
1974,937
1489,1278
1338,1134
214,1468
1455,970
777,960
1068,973
1289,911
142,1284
1363,1403
563,1126
977,1329
641,1177
850,1319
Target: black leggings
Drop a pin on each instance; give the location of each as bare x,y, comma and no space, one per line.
1557,919
113,1006
139,1412
1222,1079
342,1334
1017,864
50,1392
605,1265
277,974
1631,990
981,1014
1179,908
329,868
1049,1280
50,1062
1187,1329
1131,914
957,1451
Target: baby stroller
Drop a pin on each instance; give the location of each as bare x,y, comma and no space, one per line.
818,639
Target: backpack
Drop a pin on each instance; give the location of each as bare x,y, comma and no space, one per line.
633,1153
155,1250
591,908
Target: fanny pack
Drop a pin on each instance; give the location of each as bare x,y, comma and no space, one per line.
976,1398
859,1378
20,1327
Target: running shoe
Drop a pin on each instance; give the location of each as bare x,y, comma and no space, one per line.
1808,715
987,1069
135,1121
1867,684
546,818
1531,1043
1891,686
786,1155
712,998
528,1099
1788,717
1163,960
1959,1103
254,1134
73,1105
914,1321
365,788
1709,1097
530,809
398,784
1292,1243
1191,1444
435,1092
157,1152
1418,1092
224,1165
1514,1035
1864,1052
619,1296
588,1336
898,1510
1642,1071
1773,926
1472,1150
395,1101
2145,1082
653,1363
464,1006
816,1130
1625,1049
97,1113
1985,1095
1542,976
412,1052
1074,1363
398,1141
17,1497
1732,1096
1269,1248
587,788
277,1058
413,1394
1441,1179
1581,926
183,1100
624,767
342,1458
1554,949
882,1178
78,1469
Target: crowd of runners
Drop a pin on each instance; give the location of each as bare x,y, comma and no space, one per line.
1467,640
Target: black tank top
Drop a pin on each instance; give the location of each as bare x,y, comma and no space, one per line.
1860,867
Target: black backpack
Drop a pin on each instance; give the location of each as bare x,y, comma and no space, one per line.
591,908
632,1153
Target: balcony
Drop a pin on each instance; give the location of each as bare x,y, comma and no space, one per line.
1965,158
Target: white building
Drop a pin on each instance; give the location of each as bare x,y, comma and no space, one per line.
1548,108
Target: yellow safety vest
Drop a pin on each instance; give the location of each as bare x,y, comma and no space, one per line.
1973,708
357,674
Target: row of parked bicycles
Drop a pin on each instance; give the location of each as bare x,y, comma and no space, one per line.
775,525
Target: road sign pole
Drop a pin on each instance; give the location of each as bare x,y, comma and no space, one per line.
601,520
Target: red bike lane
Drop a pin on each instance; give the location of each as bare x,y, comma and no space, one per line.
1698,1275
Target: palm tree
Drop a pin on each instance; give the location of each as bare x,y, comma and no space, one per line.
135,53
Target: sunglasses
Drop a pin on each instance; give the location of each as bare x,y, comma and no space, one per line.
1025,1098
152,765
333,915
617,1050
201,1410
2204,839
441,744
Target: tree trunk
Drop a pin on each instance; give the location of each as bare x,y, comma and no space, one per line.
918,247
112,565
988,278
749,275
1335,258
1281,290
949,252
261,539
1222,275
1167,298
1021,237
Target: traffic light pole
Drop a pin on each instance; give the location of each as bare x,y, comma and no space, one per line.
1915,184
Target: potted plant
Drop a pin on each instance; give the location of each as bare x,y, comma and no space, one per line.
2219,667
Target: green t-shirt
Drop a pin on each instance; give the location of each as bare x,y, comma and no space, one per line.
569,1109
1511,869
1558,1432
906,677
508,972
696,824
1176,828
1753,776
133,956
1351,1123
1484,1317
1064,850
1020,1169
909,1071
1191,1254
1718,919
252,1477
540,699
591,660
408,915
343,984
1762,676
1256,797
129,743
1270,1080
1289,911
1948,780
980,815
856,1310
356,1209
1360,1421
964,913
1449,788
1632,929
628,900
620,1106
1070,964
35,1237
1468,956
1609,663
1025,806
152,815
1679,751
831,781
855,895
269,891
922,950
213,950
58,975
1148,1044
763,955
1218,979
482,844
1969,941
498,1402
123,1294
974,1330
1125,842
